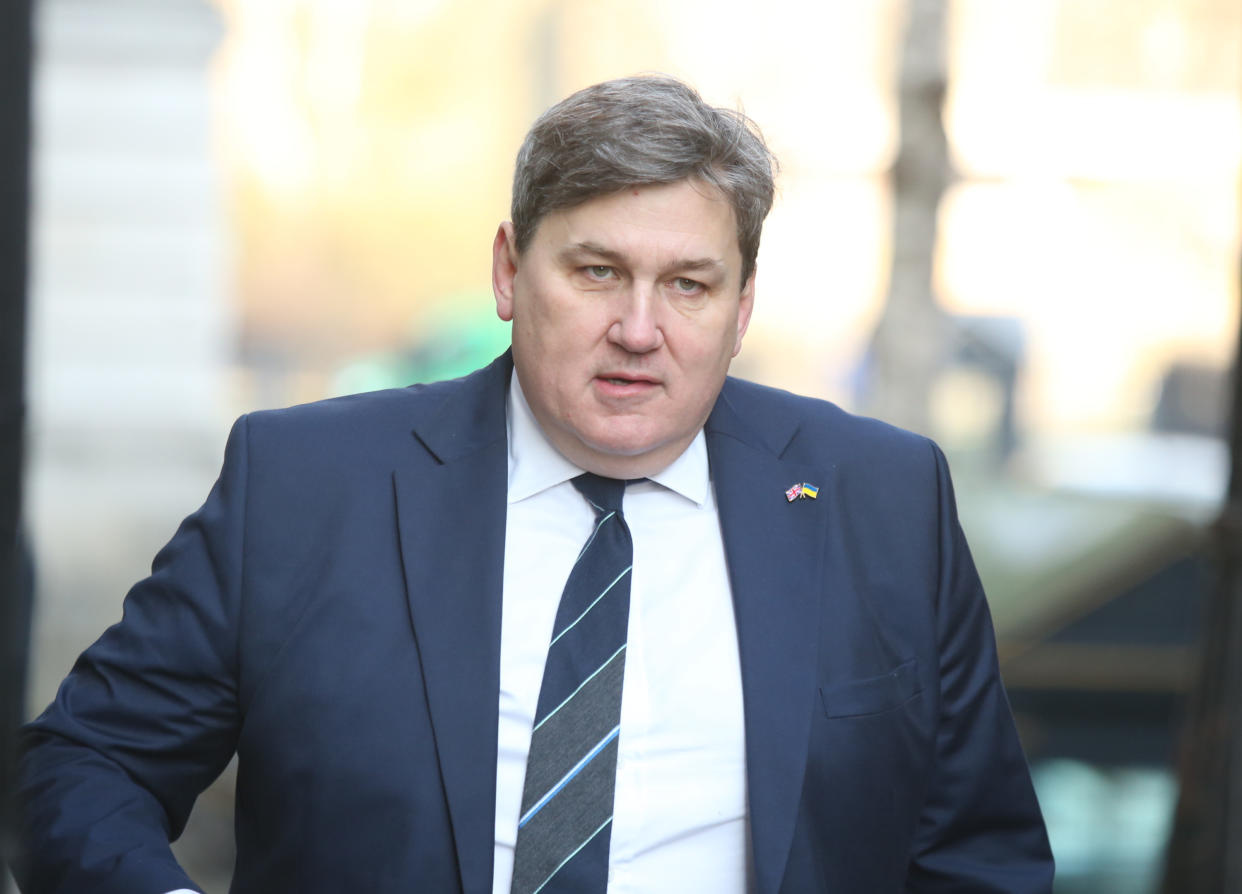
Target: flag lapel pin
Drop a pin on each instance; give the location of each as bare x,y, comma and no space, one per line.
802,491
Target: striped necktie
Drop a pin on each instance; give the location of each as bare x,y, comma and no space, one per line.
566,822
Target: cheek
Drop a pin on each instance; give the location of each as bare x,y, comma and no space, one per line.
717,342
552,349
552,312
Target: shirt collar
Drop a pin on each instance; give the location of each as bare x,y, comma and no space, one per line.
535,465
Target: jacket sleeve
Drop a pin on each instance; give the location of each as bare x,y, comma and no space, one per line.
146,719
981,829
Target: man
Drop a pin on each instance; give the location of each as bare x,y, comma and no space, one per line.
799,688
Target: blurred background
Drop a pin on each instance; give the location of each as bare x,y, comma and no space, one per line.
1012,226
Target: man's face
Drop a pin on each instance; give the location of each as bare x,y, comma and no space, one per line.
626,311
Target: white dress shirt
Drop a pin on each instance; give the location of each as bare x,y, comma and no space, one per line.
679,816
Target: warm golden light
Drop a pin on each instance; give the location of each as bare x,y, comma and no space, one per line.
370,147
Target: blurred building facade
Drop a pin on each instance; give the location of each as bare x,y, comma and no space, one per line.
132,322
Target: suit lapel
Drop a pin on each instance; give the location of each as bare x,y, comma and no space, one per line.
451,517
454,572
774,549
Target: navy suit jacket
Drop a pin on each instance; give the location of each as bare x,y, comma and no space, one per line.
332,615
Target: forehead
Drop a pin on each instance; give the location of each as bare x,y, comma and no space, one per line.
671,221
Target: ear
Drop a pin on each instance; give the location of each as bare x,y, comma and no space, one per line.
745,304
504,269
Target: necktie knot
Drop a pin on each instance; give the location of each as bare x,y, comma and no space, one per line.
603,493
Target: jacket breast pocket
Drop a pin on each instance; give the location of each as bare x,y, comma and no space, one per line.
872,695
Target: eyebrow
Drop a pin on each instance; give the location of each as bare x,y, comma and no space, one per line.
578,249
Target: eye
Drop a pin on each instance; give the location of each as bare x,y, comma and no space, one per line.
687,286
599,271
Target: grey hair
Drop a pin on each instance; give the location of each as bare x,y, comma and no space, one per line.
640,131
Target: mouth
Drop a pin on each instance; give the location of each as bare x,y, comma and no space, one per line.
626,380
621,385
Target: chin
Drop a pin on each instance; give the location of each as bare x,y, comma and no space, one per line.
620,450
613,443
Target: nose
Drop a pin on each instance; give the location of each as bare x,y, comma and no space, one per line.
636,327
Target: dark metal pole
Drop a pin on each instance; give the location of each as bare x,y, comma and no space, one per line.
1205,849
15,65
